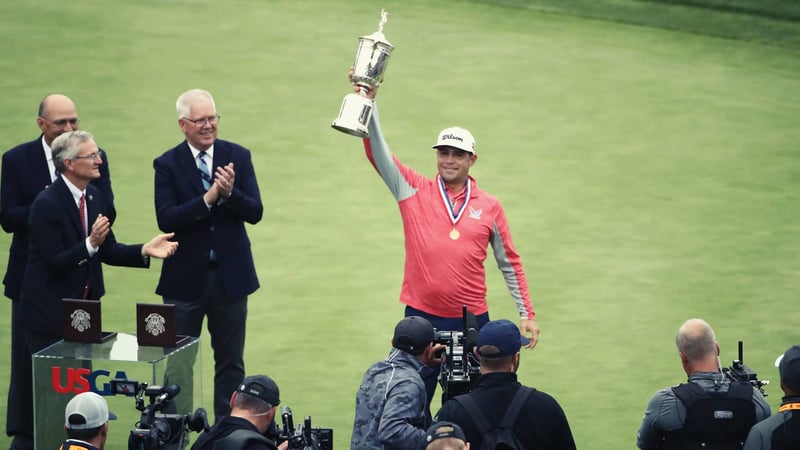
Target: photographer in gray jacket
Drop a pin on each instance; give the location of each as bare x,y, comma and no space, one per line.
391,401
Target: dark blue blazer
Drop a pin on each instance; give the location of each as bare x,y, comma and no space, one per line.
59,264
180,208
24,174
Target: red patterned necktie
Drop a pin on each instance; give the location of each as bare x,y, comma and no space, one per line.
82,212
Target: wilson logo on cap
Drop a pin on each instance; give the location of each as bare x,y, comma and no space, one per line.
452,136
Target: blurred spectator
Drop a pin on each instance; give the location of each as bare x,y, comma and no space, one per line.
781,431
445,436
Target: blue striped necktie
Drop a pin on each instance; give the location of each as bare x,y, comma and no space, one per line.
205,173
205,176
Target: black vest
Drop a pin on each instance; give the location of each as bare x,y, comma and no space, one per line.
714,420
787,436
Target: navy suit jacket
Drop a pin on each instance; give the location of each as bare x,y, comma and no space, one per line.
59,264
25,173
180,208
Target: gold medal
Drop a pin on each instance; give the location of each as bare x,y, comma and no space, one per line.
454,234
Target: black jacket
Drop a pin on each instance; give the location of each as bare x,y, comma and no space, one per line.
541,424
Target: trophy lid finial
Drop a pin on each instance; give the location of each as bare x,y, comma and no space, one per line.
384,16
378,35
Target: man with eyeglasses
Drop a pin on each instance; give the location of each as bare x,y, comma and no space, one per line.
27,169
70,239
205,191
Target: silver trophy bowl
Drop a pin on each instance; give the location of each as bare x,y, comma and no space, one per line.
372,57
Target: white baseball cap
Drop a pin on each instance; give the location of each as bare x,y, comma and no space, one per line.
456,137
85,411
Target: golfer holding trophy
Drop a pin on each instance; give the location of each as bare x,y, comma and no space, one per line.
368,69
449,222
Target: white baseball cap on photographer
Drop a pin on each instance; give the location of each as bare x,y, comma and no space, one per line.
456,137
85,411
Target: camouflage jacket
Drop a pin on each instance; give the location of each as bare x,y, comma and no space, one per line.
390,405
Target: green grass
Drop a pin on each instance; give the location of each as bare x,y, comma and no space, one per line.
649,176
773,22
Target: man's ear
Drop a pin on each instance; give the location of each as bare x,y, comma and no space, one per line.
233,396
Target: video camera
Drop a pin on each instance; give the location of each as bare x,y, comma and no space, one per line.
156,429
304,437
460,368
738,371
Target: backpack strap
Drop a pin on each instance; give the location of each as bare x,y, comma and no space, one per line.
516,406
477,416
474,412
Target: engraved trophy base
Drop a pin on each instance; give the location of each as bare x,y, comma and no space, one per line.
354,115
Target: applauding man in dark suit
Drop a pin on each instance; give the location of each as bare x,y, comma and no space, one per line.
27,169
70,236
205,191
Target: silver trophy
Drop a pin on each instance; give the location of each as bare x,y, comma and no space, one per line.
368,69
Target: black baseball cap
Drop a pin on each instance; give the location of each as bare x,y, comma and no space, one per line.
261,386
789,368
413,334
441,430
502,334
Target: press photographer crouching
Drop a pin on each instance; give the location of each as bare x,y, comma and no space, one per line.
253,407
86,422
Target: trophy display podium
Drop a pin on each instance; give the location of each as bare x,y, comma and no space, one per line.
66,368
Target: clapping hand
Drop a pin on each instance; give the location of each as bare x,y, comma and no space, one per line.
160,246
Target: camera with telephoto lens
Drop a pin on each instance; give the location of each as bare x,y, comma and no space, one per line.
157,429
739,371
460,368
304,436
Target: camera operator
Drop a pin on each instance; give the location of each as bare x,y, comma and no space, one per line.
253,407
709,410
86,422
391,401
781,431
533,418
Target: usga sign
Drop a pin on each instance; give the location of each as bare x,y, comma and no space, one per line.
82,380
